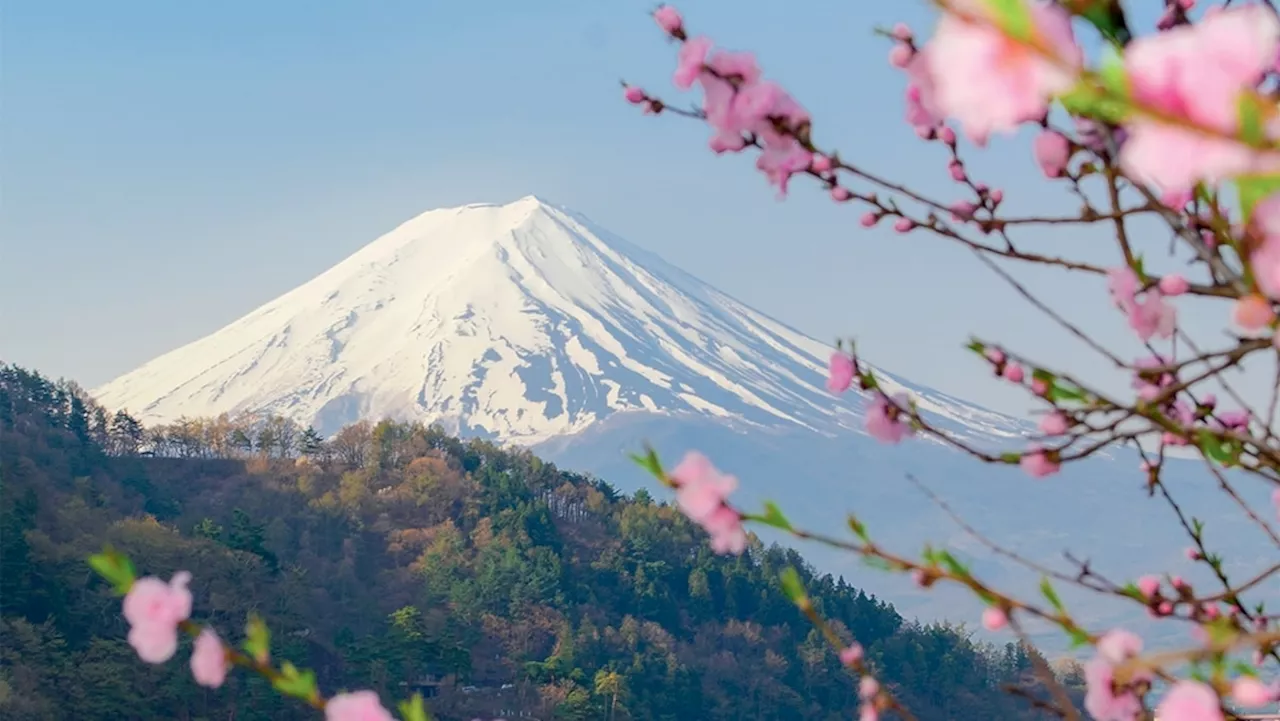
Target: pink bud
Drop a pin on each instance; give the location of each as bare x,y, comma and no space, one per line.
957,171
1165,608
633,95
869,219
900,56
904,225
1174,284
948,135
1013,372
902,32
1148,586
851,654
841,194
994,619
868,687
962,210
997,196
668,19
995,355
1251,693
820,163
1054,424
1052,151
1039,387
1193,554
1253,313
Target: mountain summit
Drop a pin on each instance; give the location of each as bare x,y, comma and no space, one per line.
521,322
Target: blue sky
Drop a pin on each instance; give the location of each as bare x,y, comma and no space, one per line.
171,166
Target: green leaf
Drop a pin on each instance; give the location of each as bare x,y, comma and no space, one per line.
257,642
1108,17
1078,637
859,529
977,347
1253,189
1012,457
1050,595
1251,120
649,461
877,563
793,587
1013,17
1223,450
115,567
1112,73
295,683
414,709
951,564
1061,391
773,517
1131,590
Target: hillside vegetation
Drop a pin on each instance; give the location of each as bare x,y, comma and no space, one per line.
398,558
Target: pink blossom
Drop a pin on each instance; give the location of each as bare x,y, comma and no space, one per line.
840,372
869,219
154,609
690,60
1189,701
1053,424
1174,284
1192,554
820,163
1037,464
1196,72
994,619
1251,693
633,95
1052,150
992,83
841,194
885,422
1103,699
1176,199
903,225
724,526
209,660
668,19
701,491
900,55
1252,313
1149,586
868,688
1149,315
700,487
923,112
851,654
356,706
1265,258
1013,373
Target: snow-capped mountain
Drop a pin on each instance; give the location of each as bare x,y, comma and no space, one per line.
523,322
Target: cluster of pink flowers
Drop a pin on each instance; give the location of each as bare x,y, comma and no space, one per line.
1149,314
1197,73
155,611
1104,699
701,492
739,104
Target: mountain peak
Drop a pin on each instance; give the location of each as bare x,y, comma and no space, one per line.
521,322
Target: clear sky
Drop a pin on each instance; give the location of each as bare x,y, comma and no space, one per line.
169,166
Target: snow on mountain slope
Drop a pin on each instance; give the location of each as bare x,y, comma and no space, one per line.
522,322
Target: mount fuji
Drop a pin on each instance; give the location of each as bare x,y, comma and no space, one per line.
521,322
527,323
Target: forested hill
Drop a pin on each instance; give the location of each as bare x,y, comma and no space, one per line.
399,558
